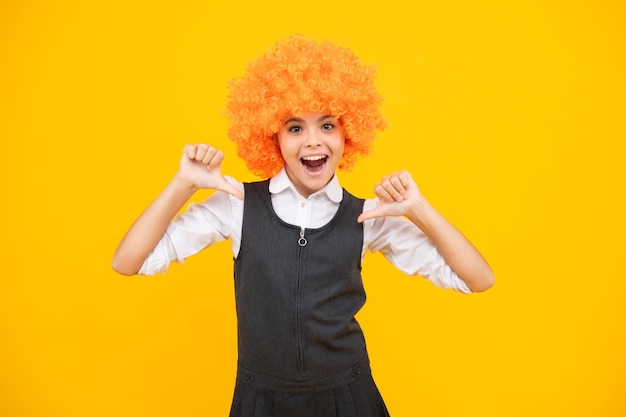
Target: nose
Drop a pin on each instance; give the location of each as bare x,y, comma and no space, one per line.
312,140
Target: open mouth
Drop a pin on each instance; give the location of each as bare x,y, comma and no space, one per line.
315,163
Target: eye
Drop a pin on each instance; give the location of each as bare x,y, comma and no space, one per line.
328,126
294,129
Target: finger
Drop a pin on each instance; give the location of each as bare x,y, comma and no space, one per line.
370,214
190,151
398,187
216,160
391,185
382,193
201,150
405,177
230,189
209,155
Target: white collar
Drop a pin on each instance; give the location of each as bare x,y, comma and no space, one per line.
280,182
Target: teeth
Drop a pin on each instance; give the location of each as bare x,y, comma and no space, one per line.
313,158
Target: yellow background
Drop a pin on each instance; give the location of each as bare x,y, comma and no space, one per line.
510,115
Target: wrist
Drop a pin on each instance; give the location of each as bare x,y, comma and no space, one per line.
183,185
418,211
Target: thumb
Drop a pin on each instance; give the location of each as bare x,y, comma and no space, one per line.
227,187
370,214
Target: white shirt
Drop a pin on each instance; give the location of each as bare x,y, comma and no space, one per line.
220,217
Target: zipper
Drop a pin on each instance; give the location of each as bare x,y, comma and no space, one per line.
302,241
300,357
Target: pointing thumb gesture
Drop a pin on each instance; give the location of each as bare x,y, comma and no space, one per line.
200,166
397,193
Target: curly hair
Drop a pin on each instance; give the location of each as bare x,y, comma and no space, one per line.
296,76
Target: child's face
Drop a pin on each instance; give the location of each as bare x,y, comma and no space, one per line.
312,146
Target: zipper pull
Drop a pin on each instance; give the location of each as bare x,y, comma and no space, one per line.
302,241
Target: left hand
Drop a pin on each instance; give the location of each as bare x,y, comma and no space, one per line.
397,193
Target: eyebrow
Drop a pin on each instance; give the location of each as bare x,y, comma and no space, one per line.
300,120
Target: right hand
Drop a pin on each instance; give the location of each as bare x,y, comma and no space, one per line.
200,167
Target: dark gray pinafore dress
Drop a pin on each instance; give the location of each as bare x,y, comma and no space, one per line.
301,351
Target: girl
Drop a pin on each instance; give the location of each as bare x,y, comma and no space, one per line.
302,111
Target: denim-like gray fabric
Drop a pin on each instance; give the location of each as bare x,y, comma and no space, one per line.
296,304
301,351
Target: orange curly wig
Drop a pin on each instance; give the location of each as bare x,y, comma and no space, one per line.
296,76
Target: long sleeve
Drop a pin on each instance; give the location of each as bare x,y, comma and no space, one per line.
201,225
409,249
